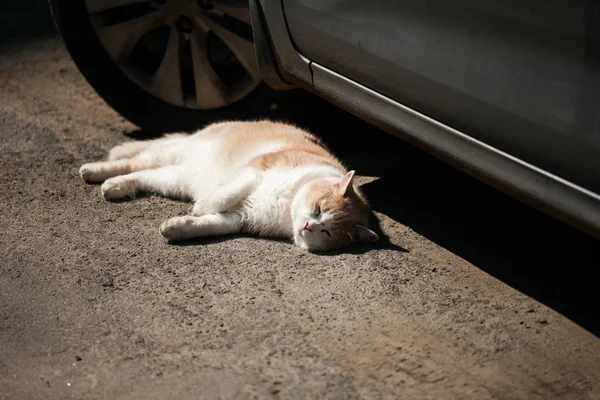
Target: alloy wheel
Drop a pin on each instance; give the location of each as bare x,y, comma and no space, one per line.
197,54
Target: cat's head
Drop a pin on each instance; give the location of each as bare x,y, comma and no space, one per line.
330,214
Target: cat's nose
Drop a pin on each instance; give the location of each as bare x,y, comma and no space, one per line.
308,227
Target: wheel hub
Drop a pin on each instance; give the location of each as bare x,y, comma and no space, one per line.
184,25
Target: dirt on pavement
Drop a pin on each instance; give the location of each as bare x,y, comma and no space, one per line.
95,304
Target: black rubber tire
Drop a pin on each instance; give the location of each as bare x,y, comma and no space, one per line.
128,99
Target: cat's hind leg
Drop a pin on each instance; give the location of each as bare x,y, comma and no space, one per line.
158,153
165,181
188,227
100,171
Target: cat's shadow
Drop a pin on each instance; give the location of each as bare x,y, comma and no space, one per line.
203,241
384,242
143,135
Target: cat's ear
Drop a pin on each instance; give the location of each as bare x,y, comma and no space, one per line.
345,184
364,234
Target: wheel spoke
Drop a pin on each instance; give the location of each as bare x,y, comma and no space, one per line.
120,39
166,82
235,9
242,48
210,90
95,6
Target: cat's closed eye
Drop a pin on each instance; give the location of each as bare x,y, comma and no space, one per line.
317,211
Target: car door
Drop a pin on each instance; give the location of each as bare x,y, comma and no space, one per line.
522,76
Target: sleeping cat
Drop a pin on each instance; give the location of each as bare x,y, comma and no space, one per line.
264,178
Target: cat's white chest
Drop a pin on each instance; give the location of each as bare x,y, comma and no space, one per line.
267,208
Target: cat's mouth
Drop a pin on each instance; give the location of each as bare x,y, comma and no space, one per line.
309,228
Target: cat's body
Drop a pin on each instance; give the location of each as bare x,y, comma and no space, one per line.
263,178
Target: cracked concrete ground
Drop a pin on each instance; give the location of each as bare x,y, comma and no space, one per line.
473,295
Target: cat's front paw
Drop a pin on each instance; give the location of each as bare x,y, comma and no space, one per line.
117,188
175,228
91,173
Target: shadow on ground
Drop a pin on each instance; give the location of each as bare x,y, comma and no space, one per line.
25,19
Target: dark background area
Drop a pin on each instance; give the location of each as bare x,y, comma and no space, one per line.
527,250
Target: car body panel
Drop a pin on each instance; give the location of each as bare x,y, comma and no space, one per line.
520,76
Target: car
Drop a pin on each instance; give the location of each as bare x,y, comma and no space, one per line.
507,91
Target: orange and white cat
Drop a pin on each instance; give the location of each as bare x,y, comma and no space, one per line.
264,178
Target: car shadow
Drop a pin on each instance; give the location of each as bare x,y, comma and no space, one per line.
526,249
21,20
